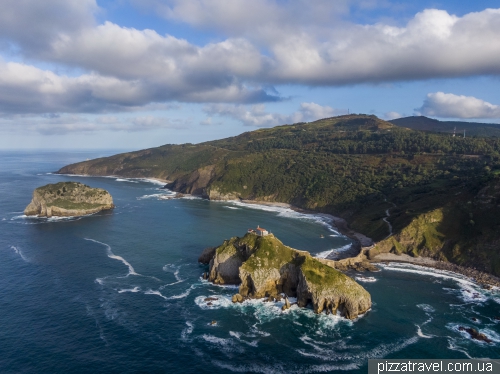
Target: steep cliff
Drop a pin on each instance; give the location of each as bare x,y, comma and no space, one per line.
264,266
68,199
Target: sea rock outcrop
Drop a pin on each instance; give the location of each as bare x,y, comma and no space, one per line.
66,199
265,267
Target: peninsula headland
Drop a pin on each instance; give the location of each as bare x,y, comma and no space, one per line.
264,267
420,193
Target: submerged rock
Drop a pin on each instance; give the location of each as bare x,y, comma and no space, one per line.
474,334
265,267
66,199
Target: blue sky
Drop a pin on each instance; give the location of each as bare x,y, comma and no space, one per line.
131,74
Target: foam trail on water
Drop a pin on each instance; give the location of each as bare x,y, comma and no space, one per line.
325,254
366,279
134,290
20,253
287,212
169,268
469,291
158,293
421,334
131,270
125,180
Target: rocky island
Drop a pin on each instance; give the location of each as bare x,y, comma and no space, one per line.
67,199
264,267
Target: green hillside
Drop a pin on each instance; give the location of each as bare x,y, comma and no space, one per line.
354,166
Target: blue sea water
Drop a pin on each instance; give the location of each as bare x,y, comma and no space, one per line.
120,291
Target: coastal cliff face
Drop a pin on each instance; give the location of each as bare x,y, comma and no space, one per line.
66,199
264,266
367,171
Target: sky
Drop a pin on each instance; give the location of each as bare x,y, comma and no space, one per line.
133,74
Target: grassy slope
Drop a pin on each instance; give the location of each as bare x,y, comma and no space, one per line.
353,166
62,195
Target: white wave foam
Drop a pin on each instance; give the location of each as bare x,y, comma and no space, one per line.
238,335
37,219
180,296
426,308
157,293
18,251
117,178
125,180
453,347
289,213
131,270
187,331
191,197
134,290
492,335
469,291
421,334
280,369
228,346
231,207
366,279
100,281
325,254
331,352
153,181
160,196
170,268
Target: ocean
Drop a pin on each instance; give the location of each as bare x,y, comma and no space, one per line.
121,291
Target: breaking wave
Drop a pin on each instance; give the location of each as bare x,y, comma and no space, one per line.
327,253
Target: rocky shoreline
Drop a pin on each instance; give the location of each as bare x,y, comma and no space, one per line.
476,275
354,257
362,243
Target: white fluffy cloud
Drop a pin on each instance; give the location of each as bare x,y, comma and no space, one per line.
257,115
33,24
265,42
447,105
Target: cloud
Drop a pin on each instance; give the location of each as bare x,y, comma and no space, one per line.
264,43
71,123
448,105
257,116
33,24
392,115
307,43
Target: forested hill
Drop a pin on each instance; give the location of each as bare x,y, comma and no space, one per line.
354,166
428,124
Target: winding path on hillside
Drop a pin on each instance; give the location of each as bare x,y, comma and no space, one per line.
387,215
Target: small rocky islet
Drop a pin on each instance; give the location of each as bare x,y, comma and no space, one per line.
263,266
68,199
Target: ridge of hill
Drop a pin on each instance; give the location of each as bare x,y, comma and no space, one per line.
423,123
358,167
